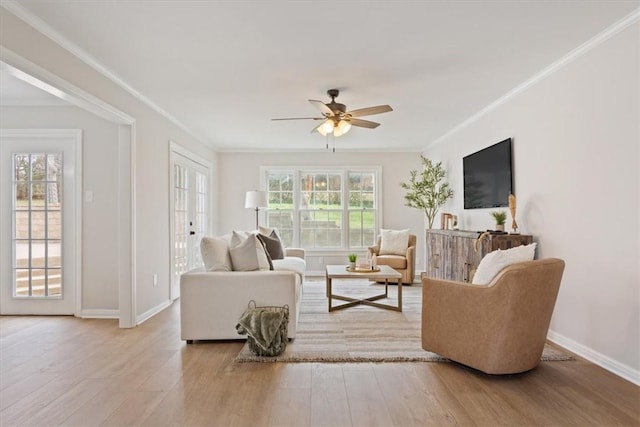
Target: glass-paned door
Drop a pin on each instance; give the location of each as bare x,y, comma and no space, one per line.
38,225
190,196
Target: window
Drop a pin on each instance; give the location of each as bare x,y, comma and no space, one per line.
333,208
281,208
362,209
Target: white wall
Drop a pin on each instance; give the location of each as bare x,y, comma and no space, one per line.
575,139
152,134
239,172
99,218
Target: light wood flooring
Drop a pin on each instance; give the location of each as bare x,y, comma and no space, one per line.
66,371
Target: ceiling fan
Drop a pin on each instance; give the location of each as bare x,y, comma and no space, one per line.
337,120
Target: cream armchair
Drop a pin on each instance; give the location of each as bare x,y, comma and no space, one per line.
404,264
499,328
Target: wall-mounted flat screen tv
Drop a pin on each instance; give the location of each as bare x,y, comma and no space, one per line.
488,177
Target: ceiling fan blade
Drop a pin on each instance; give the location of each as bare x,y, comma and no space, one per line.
364,123
322,107
370,111
300,118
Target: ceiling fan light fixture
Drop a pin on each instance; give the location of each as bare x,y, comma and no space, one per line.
344,126
326,128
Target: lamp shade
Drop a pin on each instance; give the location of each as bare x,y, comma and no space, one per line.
255,199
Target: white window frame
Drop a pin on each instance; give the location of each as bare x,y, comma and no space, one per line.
344,170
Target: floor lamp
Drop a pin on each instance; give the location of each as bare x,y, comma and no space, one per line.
255,199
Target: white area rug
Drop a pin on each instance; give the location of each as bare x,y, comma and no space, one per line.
361,333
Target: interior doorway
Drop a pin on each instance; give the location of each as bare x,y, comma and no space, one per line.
28,72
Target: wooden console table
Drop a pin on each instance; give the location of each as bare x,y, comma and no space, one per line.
451,254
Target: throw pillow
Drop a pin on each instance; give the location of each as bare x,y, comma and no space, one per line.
247,253
278,252
495,261
215,254
266,251
273,245
394,242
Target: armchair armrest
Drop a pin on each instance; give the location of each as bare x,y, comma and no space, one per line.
294,252
411,254
374,250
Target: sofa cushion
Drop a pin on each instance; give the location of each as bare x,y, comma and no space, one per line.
247,253
295,264
394,242
215,254
393,261
495,261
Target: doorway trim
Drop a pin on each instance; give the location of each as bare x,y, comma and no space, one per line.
36,75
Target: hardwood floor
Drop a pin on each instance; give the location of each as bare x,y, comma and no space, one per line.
67,371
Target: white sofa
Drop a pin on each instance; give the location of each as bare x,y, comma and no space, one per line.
211,302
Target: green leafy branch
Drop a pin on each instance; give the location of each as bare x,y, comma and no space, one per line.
425,190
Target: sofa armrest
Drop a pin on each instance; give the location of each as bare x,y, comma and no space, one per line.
294,252
374,250
212,302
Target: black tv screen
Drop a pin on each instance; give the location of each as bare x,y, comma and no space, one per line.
487,177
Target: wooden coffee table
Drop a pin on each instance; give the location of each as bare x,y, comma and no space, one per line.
385,273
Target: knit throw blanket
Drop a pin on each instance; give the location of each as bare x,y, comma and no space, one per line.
262,325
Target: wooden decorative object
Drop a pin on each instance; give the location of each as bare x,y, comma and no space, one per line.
446,221
512,209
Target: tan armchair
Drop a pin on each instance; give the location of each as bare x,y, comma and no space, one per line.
402,264
499,328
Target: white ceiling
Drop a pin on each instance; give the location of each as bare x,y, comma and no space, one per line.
223,69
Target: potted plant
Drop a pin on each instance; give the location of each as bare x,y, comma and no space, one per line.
500,217
426,191
352,260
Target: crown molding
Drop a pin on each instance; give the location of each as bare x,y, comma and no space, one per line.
41,26
338,150
33,102
614,29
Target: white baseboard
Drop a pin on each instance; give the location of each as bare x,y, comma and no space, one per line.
152,312
611,365
100,314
